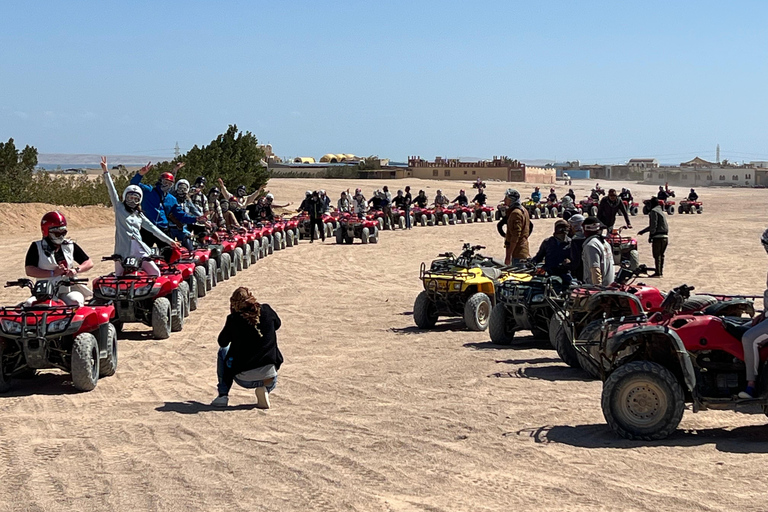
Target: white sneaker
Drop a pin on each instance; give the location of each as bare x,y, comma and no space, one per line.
263,398
220,401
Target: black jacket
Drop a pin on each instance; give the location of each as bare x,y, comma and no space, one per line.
462,200
315,208
421,201
607,211
479,198
249,348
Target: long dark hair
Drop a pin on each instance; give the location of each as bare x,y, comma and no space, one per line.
244,303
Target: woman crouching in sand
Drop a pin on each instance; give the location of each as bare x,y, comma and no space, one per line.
248,353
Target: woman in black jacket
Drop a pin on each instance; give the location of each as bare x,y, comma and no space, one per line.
249,354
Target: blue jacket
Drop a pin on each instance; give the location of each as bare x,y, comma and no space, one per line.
157,205
536,196
553,252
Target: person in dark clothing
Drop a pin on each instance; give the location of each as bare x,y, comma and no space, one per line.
552,197
572,195
555,252
662,194
421,199
407,207
577,244
315,210
609,207
462,198
626,195
248,352
693,196
658,231
304,206
376,202
480,198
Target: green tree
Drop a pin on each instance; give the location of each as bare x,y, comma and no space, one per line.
16,171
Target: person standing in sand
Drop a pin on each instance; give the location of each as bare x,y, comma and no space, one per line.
249,354
518,229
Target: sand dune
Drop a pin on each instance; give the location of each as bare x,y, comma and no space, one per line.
370,413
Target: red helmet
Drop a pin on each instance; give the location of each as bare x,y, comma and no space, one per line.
52,220
167,176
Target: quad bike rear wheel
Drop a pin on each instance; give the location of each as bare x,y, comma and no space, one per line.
670,209
477,311
201,278
277,240
238,255
375,236
192,285
246,256
484,216
424,311
642,400
264,247
339,236
445,219
563,344
289,238
633,211
108,363
85,362
536,213
401,222
211,275
177,307
161,318
464,217
423,220
271,241
593,211
365,235
501,326
590,332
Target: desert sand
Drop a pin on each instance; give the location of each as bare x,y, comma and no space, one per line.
370,413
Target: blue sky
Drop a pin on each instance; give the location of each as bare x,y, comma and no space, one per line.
595,81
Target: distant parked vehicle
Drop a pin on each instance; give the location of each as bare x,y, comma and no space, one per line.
118,167
73,171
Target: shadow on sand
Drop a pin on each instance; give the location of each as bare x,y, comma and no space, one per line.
441,327
192,407
521,343
41,384
747,439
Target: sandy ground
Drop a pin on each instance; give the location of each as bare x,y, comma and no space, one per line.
370,413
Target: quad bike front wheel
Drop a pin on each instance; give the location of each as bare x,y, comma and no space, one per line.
670,209
642,400
424,311
423,220
211,271
339,236
85,362
365,236
192,298
477,312
246,256
201,277
563,344
375,236
501,326
108,364
161,318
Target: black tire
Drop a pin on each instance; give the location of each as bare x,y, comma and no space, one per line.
642,400
564,347
85,362
108,364
591,331
5,382
246,256
424,312
118,326
26,374
289,238
277,241
477,312
226,266
238,257
670,209
502,333
697,303
211,274
192,297
161,318
201,278
646,209
554,325
339,236
365,235
177,308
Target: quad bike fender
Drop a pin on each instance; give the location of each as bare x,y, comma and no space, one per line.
655,339
91,319
630,304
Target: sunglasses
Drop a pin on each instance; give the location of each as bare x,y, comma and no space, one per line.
57,231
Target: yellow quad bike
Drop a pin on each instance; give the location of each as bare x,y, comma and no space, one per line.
463,286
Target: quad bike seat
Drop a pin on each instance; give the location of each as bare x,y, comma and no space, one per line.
736,326
491,273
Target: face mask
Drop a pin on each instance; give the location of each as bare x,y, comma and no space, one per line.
57,237
132,201
166,187
182,190
224,207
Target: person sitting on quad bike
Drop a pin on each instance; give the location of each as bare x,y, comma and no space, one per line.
343,204
359,204
198,197
441,199
224,219
400,200
662,194
755,337
480,198
600,190
519,227
421,199
248,352
552,197
179,230
626,195
572,195
597,255
158,203
462,198
130,223
609,206
693,196
658,231
263,210
214,205
577,245
55,257
325,200
555,252
478,184
594,195
241,194
240,213
536,195
569,209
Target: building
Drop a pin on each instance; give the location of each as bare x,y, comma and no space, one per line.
498,169
701,173
643,163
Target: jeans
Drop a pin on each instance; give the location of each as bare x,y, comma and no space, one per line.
659,247
407,218
320,227
225,384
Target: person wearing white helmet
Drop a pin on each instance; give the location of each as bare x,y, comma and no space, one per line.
359,204
129,221
326,201
441,199
305,204
179,230
755,338
343,204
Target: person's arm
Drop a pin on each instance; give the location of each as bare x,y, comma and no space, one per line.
226,334
623,210
591,259
110,184
514,232
251,198
31,268
223,189
84,263
180,215
177,168
278,322
150,226
542,252
193,209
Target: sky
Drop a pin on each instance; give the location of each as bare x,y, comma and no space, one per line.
560,80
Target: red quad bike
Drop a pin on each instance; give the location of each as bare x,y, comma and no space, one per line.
398,216
49,334
352,226
501,211
444,215
219,258
624,249
292,229
303,224
668,206
687,206
229,253
651,366
587,306
421,216
376,216
631,208
204,273
188,286
555,209
589,206
253,241
331,223
482,213
157,302
462,214
278,235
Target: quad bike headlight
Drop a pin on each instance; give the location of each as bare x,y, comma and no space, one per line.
539,297
11,327
142,290
108,291
58,325
456,286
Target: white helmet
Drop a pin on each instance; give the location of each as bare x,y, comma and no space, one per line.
322,192
133,189
270,196
308,193
182,182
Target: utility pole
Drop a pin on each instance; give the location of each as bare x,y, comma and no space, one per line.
718,154
177,150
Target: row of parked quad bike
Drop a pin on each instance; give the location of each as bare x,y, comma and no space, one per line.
547,209
44,332
654,351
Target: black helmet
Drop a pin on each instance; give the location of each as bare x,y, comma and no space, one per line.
200,181
241,191
214,190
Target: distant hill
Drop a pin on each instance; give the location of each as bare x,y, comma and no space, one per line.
65,159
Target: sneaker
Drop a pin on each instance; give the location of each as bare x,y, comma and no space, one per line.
220,401
262,395
748,393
